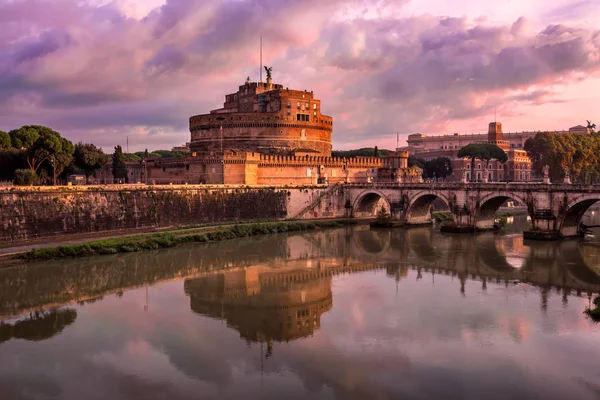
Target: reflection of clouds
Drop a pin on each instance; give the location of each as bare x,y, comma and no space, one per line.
139,359
515,262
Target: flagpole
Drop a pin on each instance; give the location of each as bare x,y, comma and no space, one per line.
260,68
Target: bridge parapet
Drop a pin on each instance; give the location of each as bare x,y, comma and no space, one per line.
555,210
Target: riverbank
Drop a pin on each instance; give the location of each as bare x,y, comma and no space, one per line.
174,237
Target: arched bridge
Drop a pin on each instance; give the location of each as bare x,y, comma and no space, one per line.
556,210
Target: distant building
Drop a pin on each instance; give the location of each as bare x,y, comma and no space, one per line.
517,168
184,148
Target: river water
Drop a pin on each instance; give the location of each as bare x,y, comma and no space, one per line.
349,313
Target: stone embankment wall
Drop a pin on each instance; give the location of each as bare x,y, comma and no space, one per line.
39,212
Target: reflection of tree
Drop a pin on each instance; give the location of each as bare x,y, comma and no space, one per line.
39,325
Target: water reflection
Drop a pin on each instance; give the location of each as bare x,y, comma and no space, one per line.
38,325
347,313
261,270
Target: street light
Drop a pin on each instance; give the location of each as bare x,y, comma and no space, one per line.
53,172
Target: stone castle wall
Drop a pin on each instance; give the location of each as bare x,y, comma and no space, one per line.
38,212
257,169
258,131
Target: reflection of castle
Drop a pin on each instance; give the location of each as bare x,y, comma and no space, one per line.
266,303
262,303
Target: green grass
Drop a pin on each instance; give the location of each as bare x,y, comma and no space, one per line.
442,216
175,238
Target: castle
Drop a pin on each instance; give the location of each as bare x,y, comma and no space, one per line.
266,134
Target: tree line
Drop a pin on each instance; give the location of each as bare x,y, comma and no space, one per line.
36,154
579,153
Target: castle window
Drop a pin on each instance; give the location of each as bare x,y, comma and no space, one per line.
298,105
289,104
314,106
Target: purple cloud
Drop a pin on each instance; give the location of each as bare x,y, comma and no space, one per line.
95,74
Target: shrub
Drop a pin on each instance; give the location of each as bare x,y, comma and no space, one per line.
24,177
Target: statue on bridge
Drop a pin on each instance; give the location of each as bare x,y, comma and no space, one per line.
567,179
546,172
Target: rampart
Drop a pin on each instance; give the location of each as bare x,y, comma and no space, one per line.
38,212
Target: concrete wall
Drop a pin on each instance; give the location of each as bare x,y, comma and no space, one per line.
37,212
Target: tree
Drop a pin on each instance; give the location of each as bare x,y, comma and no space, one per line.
482,151
11,160
89,158
376,152
118,164
581,153
131,157
24,177
415,161
440,167
5,142
42,144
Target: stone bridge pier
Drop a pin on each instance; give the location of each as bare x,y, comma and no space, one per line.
556,210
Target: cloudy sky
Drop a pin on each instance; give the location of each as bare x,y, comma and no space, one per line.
101,70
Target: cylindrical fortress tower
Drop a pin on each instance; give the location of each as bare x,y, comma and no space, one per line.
264,118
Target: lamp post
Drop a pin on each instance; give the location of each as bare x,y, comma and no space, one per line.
53,172
145,171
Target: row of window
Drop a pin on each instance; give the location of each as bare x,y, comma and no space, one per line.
303,106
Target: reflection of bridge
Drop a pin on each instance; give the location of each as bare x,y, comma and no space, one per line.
555,209
485,257
488,257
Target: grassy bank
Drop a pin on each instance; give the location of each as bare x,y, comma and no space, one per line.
175,238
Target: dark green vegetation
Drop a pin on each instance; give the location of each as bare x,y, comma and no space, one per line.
439,167
24,177
594,313
50,156
441,216
482,151
383,220
580,153
119,169
88,158
362,152
175,238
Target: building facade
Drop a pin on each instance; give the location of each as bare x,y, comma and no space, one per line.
517,168
264,118
268,135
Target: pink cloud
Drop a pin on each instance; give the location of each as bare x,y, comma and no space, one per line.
100,73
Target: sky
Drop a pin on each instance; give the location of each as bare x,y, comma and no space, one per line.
102,71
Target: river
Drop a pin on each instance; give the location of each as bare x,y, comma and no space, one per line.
348,313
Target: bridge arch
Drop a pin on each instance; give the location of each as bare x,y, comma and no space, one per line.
489,206
418,211
570,219
369,202
369,243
